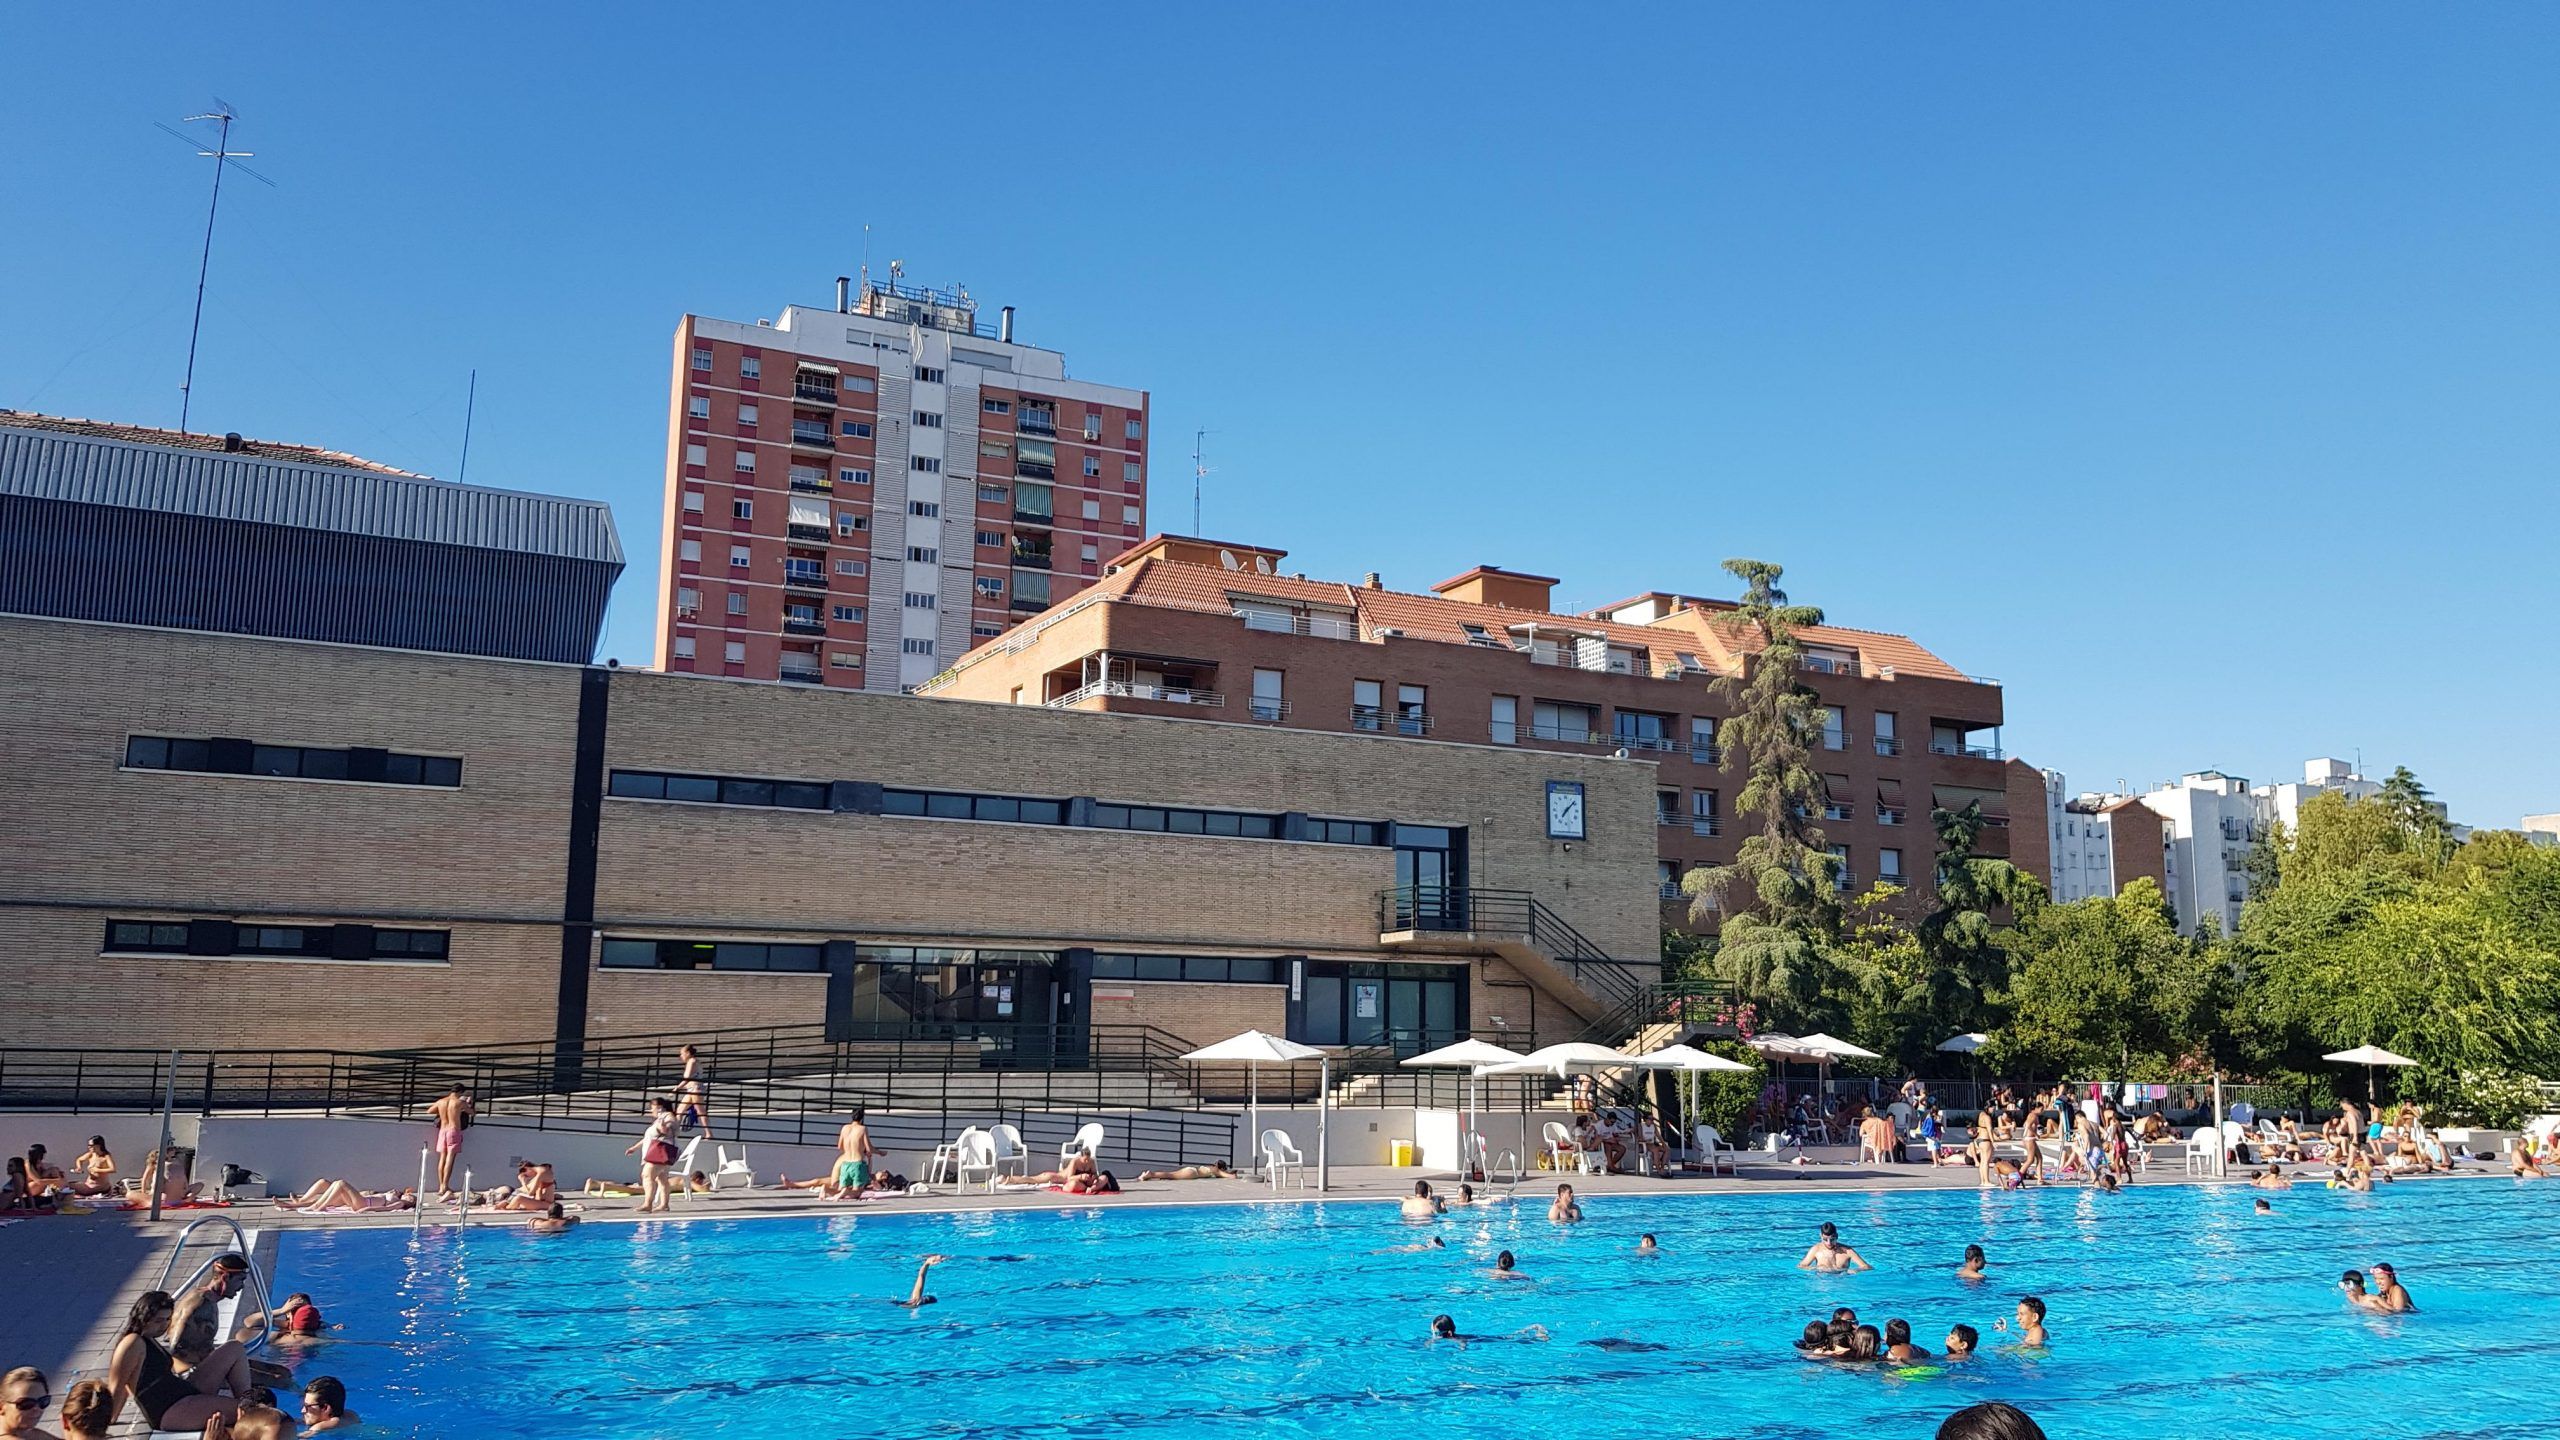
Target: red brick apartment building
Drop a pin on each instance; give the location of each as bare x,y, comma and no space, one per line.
857,496
1217,632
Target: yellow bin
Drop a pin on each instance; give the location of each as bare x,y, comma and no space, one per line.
1400,1152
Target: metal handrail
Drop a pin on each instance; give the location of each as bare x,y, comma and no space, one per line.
1516,912
240,1247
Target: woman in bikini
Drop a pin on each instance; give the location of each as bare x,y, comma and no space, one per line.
338,1195
93,1172
141,1368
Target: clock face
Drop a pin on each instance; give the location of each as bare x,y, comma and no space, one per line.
1564,810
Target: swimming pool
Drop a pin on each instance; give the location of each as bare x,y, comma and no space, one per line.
2174,1312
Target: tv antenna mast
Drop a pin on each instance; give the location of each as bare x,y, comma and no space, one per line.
223,158
1199,472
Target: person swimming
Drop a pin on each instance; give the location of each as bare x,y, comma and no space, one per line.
2262,1207
1962,1340
1645,1245
2030,1322
2390,1296
1897,1344
1503,1268
1864,1344
1815,1342
916,1298
1828,1254
1566,1210
1974,1261
1434,1243
2351,1284
1445,1328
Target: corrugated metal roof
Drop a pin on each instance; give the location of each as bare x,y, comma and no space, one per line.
88,469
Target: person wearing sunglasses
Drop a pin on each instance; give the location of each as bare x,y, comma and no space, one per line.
24,1396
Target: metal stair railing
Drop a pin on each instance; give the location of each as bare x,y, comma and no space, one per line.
1464,909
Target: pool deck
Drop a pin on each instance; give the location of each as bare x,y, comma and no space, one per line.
77,1275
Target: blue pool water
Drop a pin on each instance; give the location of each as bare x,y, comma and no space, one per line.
2174,1312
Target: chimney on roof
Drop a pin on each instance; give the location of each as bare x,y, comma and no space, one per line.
844,294
231,442
1373,581
1004,325
1492,585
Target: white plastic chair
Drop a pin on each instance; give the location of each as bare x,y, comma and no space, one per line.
977,1157
679,1174
1011,1154
945,1164
2204,1152
1280,1156
732,1170
1088,1141
1711,1144
1869,1148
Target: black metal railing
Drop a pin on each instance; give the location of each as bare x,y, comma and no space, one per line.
1452,908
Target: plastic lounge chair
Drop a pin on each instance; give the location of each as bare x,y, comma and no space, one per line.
1010,1152
977,1157
945,1163
1280,1156
1711,1146
1560,1146
733,1170
1870,1149
1088,1141
678,1173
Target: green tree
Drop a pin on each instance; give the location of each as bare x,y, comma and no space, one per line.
1779,901
1962,948
2412,807
2107,986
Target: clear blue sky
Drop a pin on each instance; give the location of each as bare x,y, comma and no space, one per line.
2189,368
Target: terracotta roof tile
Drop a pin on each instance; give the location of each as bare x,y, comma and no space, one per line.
196,440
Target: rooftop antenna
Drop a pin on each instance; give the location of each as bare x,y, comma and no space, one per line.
223,158
470,404
1199,472
866,256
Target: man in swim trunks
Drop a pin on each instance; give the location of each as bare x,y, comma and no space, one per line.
451,1114
1422,1204
854,1158
1566,1210
2030,1322
916,1298
1828,1254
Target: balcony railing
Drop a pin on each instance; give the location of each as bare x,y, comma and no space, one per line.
1888,815
1672,818
806,532
1707,754
1034,517
1035,470
809,438
1707,825
1646,742
804,627
808,394
1368,717
1564,734
1888,745
805,677
1031,559
1032,422
1970,752
1839,810
1827,665
813,485
1847,880
1269,712
1132,690
1671,890
804,580
1298,622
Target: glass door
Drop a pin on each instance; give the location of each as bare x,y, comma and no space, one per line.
1431,877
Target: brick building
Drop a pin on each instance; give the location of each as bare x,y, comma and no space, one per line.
310,845
857,495
1219,632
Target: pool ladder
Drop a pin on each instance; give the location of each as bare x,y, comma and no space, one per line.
239,1247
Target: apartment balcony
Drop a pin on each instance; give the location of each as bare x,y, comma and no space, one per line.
1707,754
1669,819
1030,422
806,532
1564,734
1268,712
1133,690
798,676
1707,826
1401,722
1847,880
804,393
1323,627
1963,751
1889,815
1034,470
1827,665
1025,605
1647,742
808,485
803,580
1888,745
804,627
808,437
1042,518
1030,559
1671,890
1839,810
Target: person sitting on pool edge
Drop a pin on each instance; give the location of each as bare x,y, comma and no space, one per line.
1422,1204
324,1406
1566,1210
1828,1254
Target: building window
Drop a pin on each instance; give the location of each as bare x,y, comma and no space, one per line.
925,464
1191,969
699,407
696,455
1367,711
926,508
996,407
852,567
620,954
1835,733
1702,740
1888,736
1090,551
858,429
735,652
854,477
1092,427
991,586
1550,720
689,550
849,614
750,368
748,415
988,632
1889,865
1092,468
363,765
928,375
928,420
1413,716
701,359
849,523
919,600
924,554
991,494
693,502
1129,514
858,384
737,602
688,602
915,647
1506,719
742,509
1093,509
1129,471
684,647
1134,429
1268,703
225,939
845,660
738,557
745,461
991,539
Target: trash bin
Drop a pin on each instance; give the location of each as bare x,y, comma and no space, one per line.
1400,1153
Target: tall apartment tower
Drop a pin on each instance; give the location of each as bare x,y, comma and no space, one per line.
857,496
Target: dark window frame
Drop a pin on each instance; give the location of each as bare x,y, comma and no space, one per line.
259,761
252,941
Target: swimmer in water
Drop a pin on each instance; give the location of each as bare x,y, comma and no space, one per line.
2351,1285
916,1298
1815,1343
1897,1344
1645,1245
2262,1208
1444,1328
1961,1342
1422,1204
1864,1344
1974,1261
1828,1254
1566,1210
2391,1298
1502,1268
2030,1323
1434,1243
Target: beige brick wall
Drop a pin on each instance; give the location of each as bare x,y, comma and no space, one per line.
646,1002
1201,1014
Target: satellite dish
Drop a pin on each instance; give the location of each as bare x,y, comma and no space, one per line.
1261,565
1228,559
